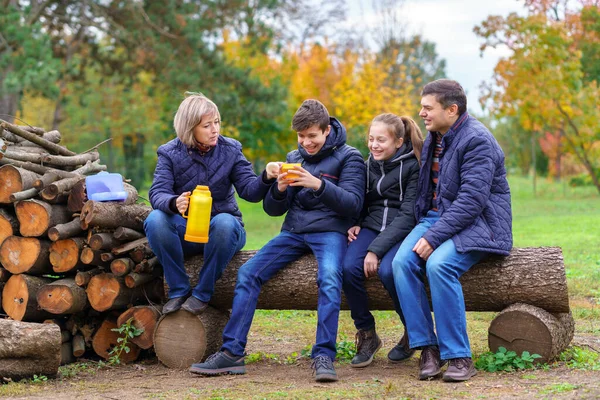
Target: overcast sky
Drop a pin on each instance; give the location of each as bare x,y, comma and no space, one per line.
449,24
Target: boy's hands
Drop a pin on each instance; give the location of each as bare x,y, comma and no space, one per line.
305,179
423,249
272,169
353,233
371,264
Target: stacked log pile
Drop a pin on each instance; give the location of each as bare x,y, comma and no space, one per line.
64,258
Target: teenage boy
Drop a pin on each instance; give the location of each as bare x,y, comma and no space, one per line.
464,213
321,203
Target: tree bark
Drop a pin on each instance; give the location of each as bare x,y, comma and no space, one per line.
4,274
64,161
45,180
23,195
78,346
108,292
112,215
36,217
77,197
134,279
62,297
127,235
26,255
103,241
534,276
523,327
13,179
148,266
66,230
141,253
9,224
66,353
28,349
127,247
181,338
19,298
65,254
144,317
105,339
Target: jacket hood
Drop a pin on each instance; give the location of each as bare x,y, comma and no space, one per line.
335,139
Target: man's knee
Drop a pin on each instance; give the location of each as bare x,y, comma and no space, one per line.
223,225
157,219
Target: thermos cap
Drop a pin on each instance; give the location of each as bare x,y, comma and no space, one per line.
201,187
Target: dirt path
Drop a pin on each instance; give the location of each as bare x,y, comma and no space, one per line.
269,379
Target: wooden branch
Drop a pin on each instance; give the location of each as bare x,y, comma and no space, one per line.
23,195
103,241
112,215
127,234
117,251
79,159
51,147
66,230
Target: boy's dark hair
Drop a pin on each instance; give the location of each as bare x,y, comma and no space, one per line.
311,112
447,92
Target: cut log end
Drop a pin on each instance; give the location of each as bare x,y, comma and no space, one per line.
523,327
181,338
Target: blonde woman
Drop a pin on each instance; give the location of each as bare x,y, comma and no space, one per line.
199,155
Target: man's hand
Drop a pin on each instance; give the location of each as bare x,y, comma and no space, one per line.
353,233
182,202
371,264
305,179
423,249
273,169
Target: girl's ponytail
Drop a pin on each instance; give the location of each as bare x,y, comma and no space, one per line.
412,133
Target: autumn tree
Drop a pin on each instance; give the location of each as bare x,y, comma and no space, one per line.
544,82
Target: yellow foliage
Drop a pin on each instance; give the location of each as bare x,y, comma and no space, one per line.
36,111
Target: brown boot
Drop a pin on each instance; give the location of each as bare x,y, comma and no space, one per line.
367,344
430,364
459,369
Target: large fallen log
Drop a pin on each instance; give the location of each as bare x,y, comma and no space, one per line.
534,276
28,349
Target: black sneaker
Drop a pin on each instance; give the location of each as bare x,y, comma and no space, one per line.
323,369
220,363
367,344
401,351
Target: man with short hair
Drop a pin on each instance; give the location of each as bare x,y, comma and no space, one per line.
464,213
321,200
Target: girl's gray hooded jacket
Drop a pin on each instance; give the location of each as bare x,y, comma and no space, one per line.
390,198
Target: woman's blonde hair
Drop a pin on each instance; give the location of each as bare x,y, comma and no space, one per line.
402,127
192,109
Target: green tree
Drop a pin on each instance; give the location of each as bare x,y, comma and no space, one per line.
27,62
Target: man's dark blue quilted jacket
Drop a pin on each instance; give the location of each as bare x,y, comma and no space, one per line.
473,194
179,169
335,206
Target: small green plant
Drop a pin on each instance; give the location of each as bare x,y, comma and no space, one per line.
71,370
504,360
346,350
127,331
579,358
258,356
39,379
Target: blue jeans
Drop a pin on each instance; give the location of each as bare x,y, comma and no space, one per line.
328,248
165,235
443,268
354,279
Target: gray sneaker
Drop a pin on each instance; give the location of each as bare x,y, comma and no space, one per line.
323,369
220,363
367,344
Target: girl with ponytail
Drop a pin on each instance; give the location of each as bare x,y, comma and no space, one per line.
395,145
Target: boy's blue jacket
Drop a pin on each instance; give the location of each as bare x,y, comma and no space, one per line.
179,169
337,204
473,198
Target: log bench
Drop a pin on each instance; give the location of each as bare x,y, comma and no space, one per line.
528,288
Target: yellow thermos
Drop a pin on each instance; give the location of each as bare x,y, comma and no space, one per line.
198,215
